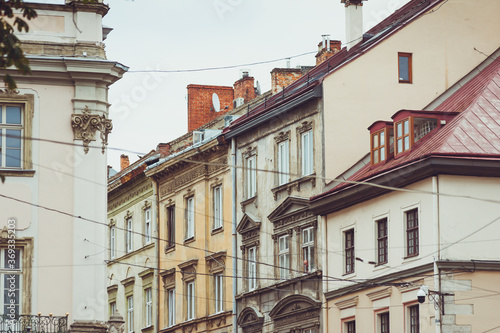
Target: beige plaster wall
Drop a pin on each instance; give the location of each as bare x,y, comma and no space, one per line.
443,45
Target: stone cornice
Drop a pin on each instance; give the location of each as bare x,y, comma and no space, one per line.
347,303
129,196
128,281
386,292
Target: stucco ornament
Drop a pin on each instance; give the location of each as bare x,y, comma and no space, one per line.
86,124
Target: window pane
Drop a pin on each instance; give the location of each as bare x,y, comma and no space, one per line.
382,154
375,141
12,258
407,128
404,69
400,145
382,138
13,158
399,129
375,156
11,292
13,115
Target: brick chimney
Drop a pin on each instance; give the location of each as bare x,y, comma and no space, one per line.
282,77
200,106
327,48
163,149
244,88
124,161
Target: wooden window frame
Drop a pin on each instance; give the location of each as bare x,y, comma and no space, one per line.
382,241
382,316
170,226
403,136
380,147
409,56
412,239
349,251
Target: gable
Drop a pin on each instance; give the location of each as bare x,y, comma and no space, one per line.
247,224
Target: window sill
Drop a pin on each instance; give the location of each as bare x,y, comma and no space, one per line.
17,173
169,248
217,231
189,240
380,267
411,258
147,328
349,275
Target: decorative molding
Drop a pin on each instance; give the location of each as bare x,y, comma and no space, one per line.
112,223
382,293
168,278
282,136
249,151
305,126
85,126
128,196
347,303
188,269
181,180
216,262
128,281
147,204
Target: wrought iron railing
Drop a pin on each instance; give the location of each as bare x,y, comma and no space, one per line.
33,323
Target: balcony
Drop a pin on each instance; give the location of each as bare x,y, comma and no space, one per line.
33,323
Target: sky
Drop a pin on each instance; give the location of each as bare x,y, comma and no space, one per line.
166,35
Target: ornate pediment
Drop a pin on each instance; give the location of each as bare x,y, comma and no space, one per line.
291,211
188,269
250,320
294,309
249,227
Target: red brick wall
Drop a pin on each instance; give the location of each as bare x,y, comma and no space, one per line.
124,161
282,77
323,54
200,107
244,88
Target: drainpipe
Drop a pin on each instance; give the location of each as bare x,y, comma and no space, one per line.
324,223
233,230
157,249
437,249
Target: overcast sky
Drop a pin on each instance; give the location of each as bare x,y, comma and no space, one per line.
148,108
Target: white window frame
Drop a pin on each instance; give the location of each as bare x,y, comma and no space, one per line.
171,307
219,293
308,241
252,267
283,162
147,225
129,234
217,203
307,153
190,300
5,137
130,314
112,242
251,176
112,308
148,295
189,217
7,270
284,256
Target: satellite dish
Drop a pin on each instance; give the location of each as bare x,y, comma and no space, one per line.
216,102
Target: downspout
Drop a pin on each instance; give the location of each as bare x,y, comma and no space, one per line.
324,220
233,230
157,248
437,249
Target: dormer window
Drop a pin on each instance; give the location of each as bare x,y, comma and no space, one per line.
403,135
381,141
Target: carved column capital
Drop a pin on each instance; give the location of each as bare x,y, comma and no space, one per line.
85,126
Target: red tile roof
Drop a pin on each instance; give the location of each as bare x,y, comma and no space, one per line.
474,133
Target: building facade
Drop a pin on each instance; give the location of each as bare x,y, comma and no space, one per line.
132,248
53,199
427,225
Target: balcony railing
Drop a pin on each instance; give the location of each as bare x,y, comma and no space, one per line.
33,323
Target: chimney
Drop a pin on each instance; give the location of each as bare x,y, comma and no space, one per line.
244,90
327,48
204,100
282,77
124,161
353,21
163,149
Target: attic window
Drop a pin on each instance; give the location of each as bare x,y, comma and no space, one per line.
412,129
403,135
379,146
422,126
405,67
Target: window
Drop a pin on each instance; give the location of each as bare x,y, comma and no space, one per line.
251,176
383,322
308,248
189,217
403,135
11,279
413,319
130,314
219,293
149,307
350,327
379,151
284,256
252,268
309,330
128,235
147,225
190,300
217,193
307,153
405,67
112,242
171,307
349,251
112,308
411,232
382,241
11,133
283,162
170,226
